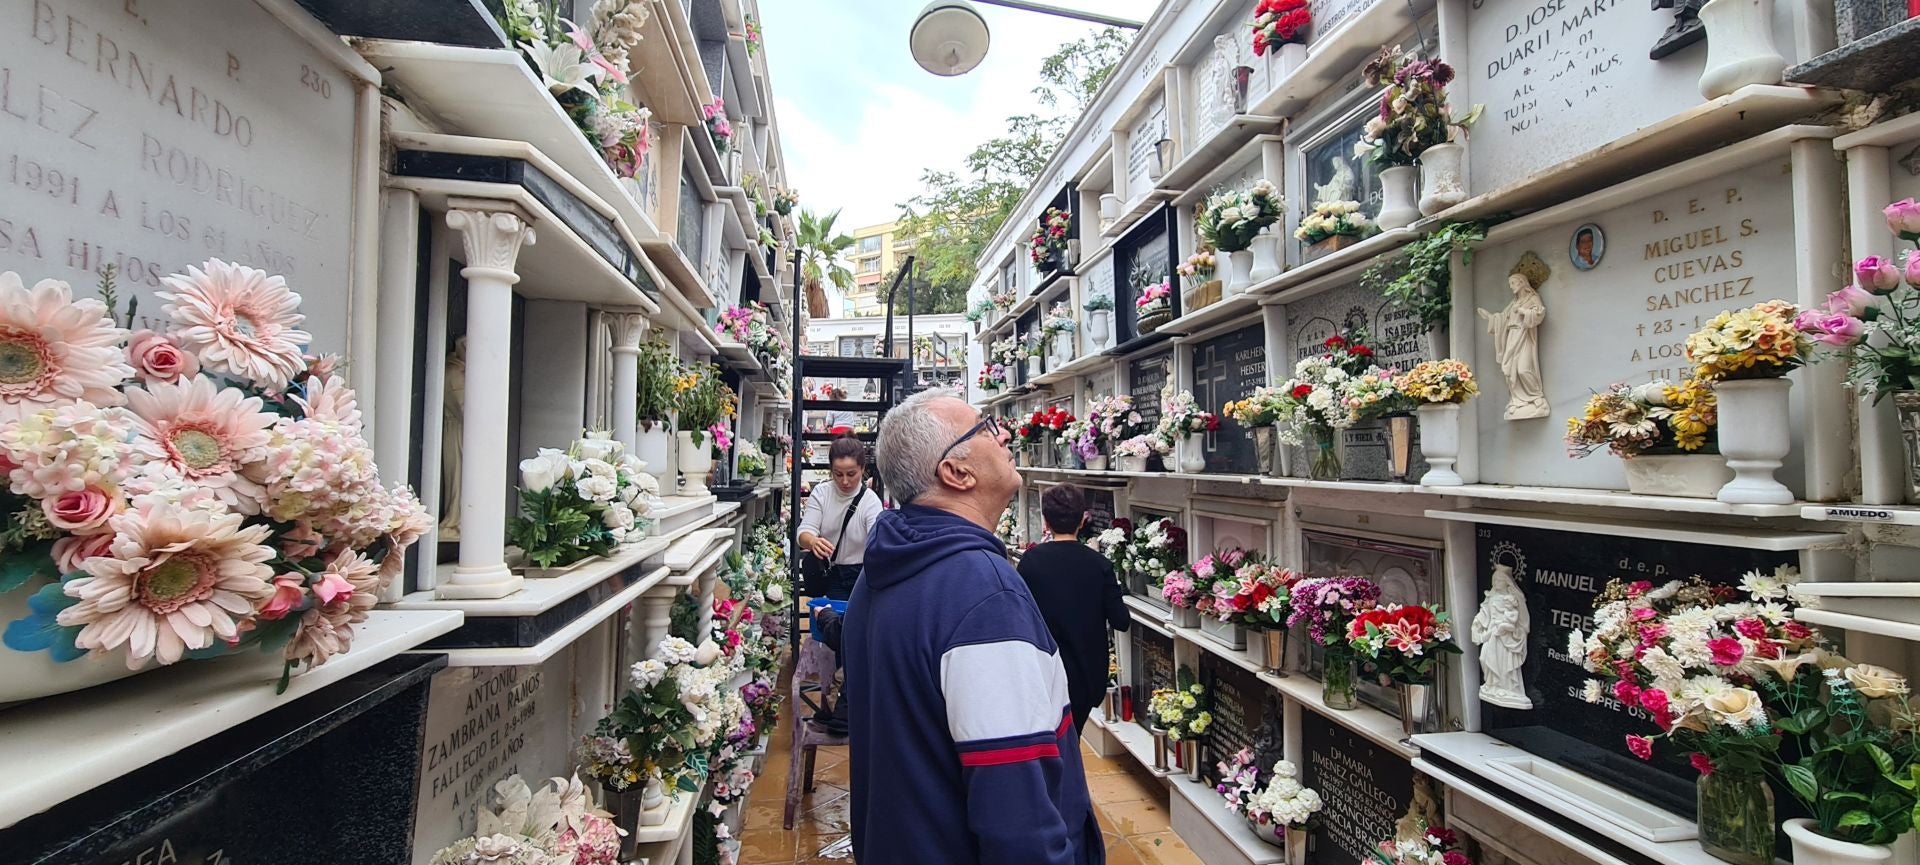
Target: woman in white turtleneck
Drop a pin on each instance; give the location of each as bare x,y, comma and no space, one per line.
826,511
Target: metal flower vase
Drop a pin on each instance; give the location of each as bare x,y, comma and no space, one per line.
1276,643
1159,749
1414,701
1190,757
625,806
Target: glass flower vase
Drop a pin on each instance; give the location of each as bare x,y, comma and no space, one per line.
1735,813
1336,682
1326,456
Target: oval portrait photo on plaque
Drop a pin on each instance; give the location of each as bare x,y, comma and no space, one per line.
1587,247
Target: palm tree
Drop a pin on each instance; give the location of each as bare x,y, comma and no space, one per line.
820,251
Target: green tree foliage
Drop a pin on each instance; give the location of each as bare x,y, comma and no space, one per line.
957,213
820,258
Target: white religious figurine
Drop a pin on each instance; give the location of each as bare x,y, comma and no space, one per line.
1500,630
1217,86
1339,187
1516,340
451,426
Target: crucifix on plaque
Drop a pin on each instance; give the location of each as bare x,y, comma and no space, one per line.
1216,384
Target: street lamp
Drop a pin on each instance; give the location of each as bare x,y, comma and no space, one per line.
950,37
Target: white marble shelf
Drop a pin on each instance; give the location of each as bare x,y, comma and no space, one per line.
539,595
1501,791
1131,736
1864,624
1759,539
1200,817
539,653
59,747
667,837
1155,618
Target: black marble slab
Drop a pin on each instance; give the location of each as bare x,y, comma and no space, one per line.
327,779
1877,62
519,632
447,22
598,231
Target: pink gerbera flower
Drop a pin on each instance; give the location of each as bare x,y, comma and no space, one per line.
239,321
206,434
173,580
55,350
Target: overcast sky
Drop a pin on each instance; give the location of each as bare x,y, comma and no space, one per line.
859,119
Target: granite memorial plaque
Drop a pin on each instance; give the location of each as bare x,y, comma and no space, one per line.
1145,377
1674,260
1100,504
1226,368
1366,789
1561,78
1152,667
1560,573
1143,258
1239,702
1036,524
138,137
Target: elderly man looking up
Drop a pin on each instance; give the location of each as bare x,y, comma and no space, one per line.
964,747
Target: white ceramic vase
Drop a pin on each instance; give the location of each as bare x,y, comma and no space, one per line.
696,461
1740,49
1754,438
1266,257
1033,367
1440,443
1443,177
1687,475
1239,273
653,802
1193,453
1097,463
1062,350
1813,848
1100,326
1399,190
655,448
1132,464
32,675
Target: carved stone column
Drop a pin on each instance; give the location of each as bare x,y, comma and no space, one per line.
629,329
493,232
656,610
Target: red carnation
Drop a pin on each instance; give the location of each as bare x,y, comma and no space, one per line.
1360,351
1641,747
1701,763
1300,391
1335,341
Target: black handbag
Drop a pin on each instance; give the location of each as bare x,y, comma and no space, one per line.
816,574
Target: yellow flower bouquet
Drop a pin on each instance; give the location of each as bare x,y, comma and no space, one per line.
1438,381
1760,341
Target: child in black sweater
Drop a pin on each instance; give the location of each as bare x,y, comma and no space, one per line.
1078,596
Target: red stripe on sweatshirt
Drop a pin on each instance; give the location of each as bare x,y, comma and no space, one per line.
1003,756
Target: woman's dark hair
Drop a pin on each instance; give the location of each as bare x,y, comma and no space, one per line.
847,447
1063,506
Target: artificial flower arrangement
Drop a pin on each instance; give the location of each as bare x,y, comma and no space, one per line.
1435,845
1082,438
1317,392
1374,392
559,825
1181,589
1437,381
1266,406
753,35
1760,341
1057,323
1044,426
1212,569
1328,606
190,492
1403,641
979,309
1331,219
1154,301
1181,711
993,376
656,377
1003,299
1856,312
1140,447
1048,245
1280,22
1156,549
785,200
581,502
1199,267
1414,114
586,71
1032,345
1099,303
1115,419
1008,530
752,462
1654,418
1230,219
1255,593
718,126
706,405
1114,543
666,726
1182,416
1004,352
1272,809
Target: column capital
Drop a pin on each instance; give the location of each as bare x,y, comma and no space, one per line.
492,231
628,327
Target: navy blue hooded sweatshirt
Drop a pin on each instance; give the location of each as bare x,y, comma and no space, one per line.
963,745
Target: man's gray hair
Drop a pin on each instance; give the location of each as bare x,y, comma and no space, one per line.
910,441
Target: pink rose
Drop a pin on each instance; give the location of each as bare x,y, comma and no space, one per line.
1831,328
1903,217
288,591
332,587
70,551
80,511
1877,274
1913,268
1850,300
1641,747
156,358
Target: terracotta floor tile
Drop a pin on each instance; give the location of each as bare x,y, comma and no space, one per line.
1122,853
1164,848
1135,818
1124,787
767,846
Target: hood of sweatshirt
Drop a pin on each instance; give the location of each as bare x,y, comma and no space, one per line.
908,539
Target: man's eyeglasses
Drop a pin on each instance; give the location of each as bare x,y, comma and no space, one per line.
988,423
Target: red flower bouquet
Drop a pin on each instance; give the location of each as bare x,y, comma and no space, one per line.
1279,22
1403,640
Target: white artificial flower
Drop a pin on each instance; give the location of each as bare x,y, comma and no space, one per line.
1594,691
599,446
648,673
1576,644
539,474
594,488
617,516
1763,587
706,654
674,650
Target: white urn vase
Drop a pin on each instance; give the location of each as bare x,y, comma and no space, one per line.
1266,257
653,803
1033,366
1399,204
696,461
1100,326
1812,848
1740,49
1239,272
1062,350
653,444
1755,439
1440,443
1193,453
1443,177
1132,464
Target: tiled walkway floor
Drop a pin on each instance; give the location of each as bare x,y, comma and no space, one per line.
1132,805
